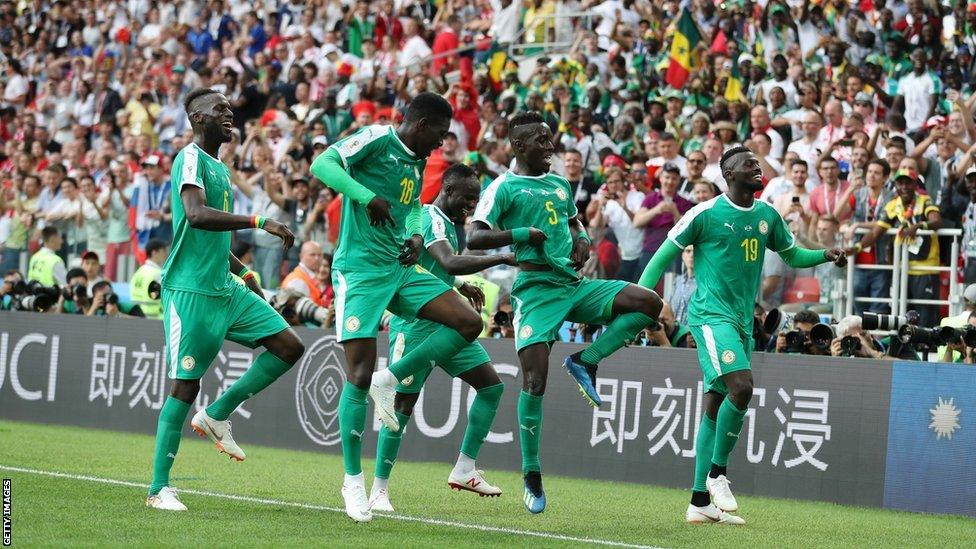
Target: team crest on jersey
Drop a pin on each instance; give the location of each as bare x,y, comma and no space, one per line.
728,357
525,332
188,363
407,381
763,227
561,194
352,323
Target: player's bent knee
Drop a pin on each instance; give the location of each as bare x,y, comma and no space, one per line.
404,403
470,325
740,393
185,390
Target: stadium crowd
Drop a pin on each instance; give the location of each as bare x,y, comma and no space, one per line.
861,114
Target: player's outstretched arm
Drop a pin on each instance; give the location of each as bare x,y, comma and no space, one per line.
802,258
664,256
482,237
466,264
203,217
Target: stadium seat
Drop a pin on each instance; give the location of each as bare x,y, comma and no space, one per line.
805,289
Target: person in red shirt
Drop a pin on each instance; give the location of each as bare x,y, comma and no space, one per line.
447,40
437,163
464,100
387,24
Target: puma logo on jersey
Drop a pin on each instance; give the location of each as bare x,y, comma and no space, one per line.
526,191
395,159
531,430
731,226
355,433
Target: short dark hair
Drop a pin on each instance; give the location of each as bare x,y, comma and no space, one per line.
101,284
666,136
801,162
827,158
75,272
49,232
807,317
525,118
457,174
428,105
573,151
883,163
196,94
154,245
729,154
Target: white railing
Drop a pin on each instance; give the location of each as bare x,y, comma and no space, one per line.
898,298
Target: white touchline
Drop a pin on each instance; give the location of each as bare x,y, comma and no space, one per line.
264,501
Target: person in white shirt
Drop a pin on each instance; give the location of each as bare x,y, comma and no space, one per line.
415,48
713,172
794,205
780,80
917,92
667,148
809,147
834,130
616,206
505,20
759,119
590,142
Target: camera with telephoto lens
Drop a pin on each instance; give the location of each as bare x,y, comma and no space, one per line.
74,292
297,309
33,296
967,335
502,318
888,323
849,345
154,290
919,337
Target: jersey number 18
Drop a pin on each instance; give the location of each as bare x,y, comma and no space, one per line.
406,190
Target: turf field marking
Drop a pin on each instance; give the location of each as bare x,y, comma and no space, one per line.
264,501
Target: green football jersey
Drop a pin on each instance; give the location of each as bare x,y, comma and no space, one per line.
377,159
544,202
437,227
730,244
199,260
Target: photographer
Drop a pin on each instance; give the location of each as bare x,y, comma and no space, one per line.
853,341
74,298
666,332
500,325
797,339
962,350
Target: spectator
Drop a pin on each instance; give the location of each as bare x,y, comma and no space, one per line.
659,212
795,204
918,92
825,198
864,201
92,267
684,286
667,332
151,200
615,208
910,212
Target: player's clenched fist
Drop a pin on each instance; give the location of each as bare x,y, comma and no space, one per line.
837,256
379,212
410,251
273,227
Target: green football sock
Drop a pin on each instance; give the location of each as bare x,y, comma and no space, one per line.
265,370
530,430
480,417
728,423
704,448
444,342
168,432
388,447
621,330
352,424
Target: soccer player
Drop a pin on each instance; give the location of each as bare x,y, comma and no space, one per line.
202,305
730,233
459,195
533,211
379,172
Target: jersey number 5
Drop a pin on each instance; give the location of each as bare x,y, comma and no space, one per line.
406,190
553,217
750,247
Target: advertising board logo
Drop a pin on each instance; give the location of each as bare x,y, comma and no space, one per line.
317,390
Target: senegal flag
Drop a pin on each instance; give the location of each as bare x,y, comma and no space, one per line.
497,57
686,37
733,87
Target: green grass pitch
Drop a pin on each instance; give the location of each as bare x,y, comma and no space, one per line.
292,498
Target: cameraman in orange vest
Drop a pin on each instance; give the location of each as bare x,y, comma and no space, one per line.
303,279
